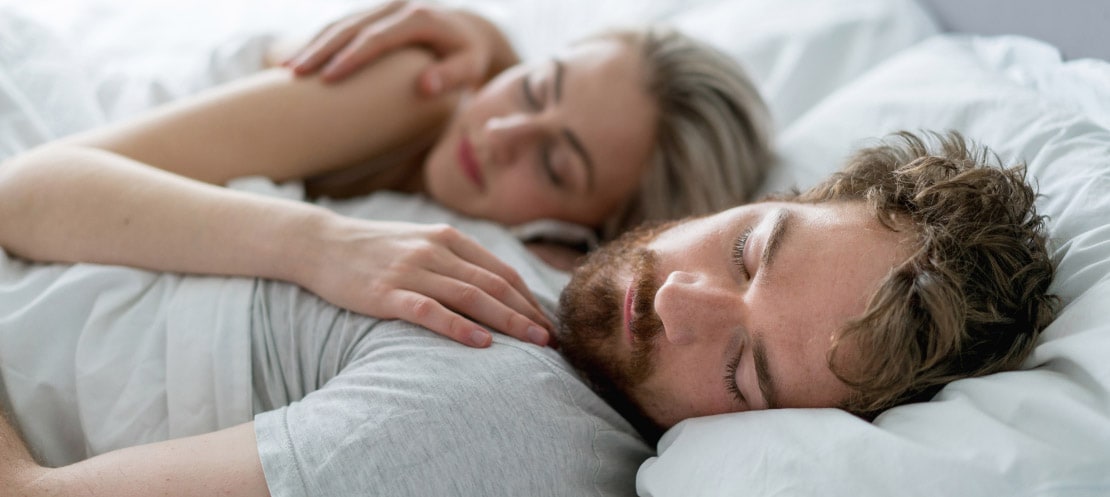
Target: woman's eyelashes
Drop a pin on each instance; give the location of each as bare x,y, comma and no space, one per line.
535,101
548,166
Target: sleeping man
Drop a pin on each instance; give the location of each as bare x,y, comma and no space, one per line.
919,264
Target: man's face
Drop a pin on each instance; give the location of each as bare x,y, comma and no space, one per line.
731,312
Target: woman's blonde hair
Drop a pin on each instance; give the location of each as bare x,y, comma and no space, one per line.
713,139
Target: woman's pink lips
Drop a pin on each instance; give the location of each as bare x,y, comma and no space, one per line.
629,298
469,163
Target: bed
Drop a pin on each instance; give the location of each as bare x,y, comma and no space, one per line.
837,74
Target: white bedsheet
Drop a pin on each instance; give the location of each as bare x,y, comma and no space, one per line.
130,56
130,360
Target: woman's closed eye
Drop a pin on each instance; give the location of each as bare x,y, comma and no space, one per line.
535,101
548,166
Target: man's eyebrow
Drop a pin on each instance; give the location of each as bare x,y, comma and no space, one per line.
575,143
763,372
783,222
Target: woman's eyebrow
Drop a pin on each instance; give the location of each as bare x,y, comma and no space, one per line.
575,142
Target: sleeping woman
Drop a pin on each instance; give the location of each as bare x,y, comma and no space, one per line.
619,128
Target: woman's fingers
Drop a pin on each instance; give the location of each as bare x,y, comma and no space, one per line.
337,35
474,302
431,275
316,53
489,299
347,45
429,313
369,43
470,251
460,273
454,73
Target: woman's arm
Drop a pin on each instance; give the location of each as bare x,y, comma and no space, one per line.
93,198
283,127
96,198
220,463
81,204
470,49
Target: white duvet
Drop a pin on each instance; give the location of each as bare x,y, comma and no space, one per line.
836,72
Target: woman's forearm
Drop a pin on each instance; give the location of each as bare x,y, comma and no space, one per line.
279,126
71,203
66,203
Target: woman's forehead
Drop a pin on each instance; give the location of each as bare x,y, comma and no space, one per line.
607,103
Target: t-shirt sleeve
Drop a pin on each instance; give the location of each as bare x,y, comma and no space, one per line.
417,415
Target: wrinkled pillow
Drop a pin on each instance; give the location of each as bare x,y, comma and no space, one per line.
1044,430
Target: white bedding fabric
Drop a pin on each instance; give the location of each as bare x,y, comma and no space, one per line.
835,72
1040,432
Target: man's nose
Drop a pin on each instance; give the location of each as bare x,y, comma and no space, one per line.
693,306
511,135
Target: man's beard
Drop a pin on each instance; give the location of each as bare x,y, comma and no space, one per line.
591,310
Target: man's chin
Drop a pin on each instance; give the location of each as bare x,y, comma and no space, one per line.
592,335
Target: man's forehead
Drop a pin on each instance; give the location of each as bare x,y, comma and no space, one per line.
821,220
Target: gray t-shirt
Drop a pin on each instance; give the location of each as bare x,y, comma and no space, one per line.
388,408
94,358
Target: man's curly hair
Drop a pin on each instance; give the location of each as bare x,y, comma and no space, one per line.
972,298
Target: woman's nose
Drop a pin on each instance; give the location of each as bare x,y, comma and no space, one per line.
693,307
509,136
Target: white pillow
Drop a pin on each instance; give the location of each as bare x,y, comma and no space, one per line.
797,51
1042,431
137,55
42,93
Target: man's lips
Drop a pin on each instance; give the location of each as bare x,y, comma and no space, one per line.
469,163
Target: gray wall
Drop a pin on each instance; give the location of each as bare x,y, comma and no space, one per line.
1080,28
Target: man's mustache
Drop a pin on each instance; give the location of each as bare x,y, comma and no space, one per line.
645,324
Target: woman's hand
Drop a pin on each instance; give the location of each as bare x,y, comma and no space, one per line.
470,50
72,203
431,275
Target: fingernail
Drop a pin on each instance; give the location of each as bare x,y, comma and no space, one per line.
480,338
537,336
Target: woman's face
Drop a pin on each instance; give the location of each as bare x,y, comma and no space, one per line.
565,139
